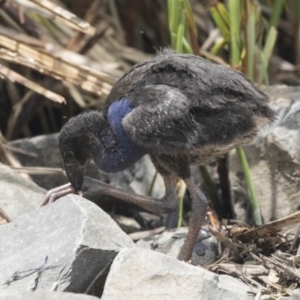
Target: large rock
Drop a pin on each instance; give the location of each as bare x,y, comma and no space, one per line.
78,239
274,159
143,274
135,179
171,242
18,195
47,295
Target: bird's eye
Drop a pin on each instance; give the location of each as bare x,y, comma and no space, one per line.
69,155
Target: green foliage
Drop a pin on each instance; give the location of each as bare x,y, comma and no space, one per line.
179,11
244,30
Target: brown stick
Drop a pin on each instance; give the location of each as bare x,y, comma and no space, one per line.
269,228
4,216
225,241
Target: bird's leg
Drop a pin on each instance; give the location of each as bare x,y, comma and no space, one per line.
167,204
179,165
199,204
91,187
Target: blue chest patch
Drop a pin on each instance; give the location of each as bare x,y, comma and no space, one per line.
126,152
116,113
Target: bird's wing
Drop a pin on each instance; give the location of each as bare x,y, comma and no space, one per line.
161,119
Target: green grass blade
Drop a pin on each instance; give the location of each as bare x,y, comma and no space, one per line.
267,52
220,17
150,191
254,200
180,33
186,47
263,72
218,47
235,31
250,38
174,19
174,16
182,190
276,11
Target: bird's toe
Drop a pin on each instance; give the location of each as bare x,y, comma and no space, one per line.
56,193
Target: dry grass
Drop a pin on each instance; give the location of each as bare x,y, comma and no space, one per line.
266,258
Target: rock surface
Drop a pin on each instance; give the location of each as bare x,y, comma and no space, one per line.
171,242
18,195
135,179
274,159
78,240
143,274
295,295
47,295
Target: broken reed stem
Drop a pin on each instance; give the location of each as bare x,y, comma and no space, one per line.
225,241
4,216
269,228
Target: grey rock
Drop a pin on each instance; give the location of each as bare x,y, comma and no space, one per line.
171,242
18,195
135,179
295,295
47,295
79,239
143,274
274,159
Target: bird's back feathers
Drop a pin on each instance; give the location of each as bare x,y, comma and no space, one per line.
183,103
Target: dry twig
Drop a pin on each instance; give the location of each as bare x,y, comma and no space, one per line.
55,12
269,228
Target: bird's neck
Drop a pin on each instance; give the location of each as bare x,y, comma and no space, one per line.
118,151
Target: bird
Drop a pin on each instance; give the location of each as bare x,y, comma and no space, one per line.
179,109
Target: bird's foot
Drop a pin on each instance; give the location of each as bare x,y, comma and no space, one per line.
57,193
90,187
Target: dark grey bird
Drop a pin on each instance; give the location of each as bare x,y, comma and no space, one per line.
181,110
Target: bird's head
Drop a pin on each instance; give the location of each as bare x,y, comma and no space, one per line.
78,141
